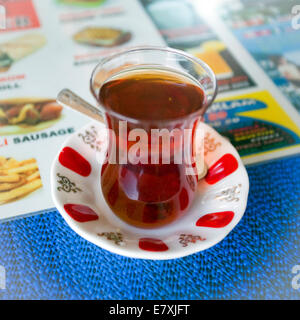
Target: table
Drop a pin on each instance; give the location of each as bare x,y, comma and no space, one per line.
45,259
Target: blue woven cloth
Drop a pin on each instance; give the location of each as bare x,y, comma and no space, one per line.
45,259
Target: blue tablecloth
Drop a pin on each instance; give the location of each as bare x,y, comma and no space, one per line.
45,259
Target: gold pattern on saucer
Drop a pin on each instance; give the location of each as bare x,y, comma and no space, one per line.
210,145
116,237
185,239
230,194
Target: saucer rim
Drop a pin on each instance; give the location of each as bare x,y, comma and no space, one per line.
136,253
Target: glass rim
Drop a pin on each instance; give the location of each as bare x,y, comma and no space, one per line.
166,49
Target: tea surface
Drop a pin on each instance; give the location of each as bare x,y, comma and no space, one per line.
152,95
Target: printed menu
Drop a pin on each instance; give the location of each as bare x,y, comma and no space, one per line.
48,45
256,118
186,30
267,32
254,123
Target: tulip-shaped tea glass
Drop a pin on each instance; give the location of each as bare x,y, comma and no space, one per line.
152,99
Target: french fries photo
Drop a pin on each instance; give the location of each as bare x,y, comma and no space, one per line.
18,178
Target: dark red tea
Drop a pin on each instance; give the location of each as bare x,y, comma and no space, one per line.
150,195
152,96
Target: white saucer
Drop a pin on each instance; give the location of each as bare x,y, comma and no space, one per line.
219,206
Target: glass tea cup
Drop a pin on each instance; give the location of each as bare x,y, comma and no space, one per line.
152,99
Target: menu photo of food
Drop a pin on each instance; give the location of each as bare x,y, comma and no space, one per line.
24,115
211,52
12,51
102,36
178,22
84,3
18,178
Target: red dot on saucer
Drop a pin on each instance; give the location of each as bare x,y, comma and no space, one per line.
150,244
74,161
221,169
80,213
216,219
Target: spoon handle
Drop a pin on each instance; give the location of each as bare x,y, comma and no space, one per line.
67,98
